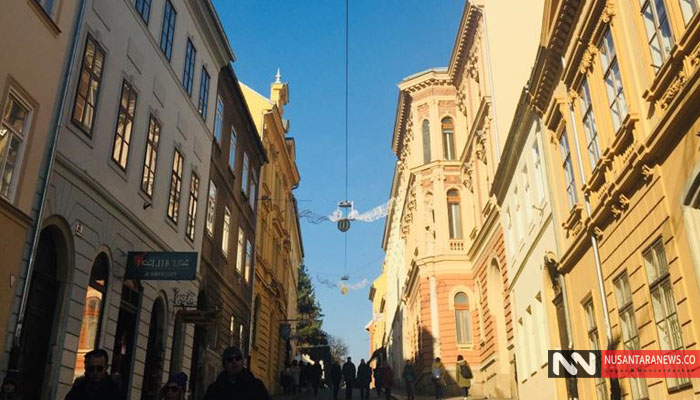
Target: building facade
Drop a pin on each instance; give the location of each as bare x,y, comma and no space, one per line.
619,106
227,258
134,143
279,249
38,35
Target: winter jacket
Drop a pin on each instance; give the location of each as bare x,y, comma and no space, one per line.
461,380
106,389
242,386
336,375
409,374
438,373
364,374
349,371
387,376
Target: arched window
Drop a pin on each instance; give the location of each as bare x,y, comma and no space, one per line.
454,214
426,141
448,138
463,319
92,312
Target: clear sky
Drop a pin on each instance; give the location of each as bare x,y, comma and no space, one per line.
388,40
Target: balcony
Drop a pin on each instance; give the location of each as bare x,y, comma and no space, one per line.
457,245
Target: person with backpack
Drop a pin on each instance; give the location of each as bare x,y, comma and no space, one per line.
464,375
409,378
438,375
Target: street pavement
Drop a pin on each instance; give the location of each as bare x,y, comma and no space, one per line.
327,394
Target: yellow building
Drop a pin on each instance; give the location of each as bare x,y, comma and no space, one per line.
375,327
616,85
279,249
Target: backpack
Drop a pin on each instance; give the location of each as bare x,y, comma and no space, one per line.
465,371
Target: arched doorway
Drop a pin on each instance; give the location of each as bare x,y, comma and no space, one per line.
125,335
155,352
44,303
496,293
92,312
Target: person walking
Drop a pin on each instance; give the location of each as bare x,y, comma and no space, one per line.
378,378
409,379
296,376
364,377
96,384
349,376
336,377
175,388
9,391
438,375
387,380
286,379
315,375
235,381
464,375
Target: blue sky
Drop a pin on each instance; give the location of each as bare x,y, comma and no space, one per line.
388,40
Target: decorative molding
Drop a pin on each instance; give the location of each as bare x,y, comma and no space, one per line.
647,172
588,58
597,232
673,89
608,12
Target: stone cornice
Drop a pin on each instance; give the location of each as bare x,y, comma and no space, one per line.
464,41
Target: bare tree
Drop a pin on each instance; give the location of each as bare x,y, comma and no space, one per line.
339,350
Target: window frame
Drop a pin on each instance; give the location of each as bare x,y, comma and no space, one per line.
245,172
629,329
226,232
188,71
210,225
454,219
218,119
150,159
425,130
123,139
567,165
448,138
192,205
463,313
590,127
143,7
167,37
92,77
21,136
203,102
240,252
612,79
656,35
173,209
232,146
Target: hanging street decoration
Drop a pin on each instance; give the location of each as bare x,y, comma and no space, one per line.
346,212
343,284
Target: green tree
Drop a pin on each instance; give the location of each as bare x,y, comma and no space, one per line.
309,332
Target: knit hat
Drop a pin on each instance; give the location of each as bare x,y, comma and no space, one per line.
179,379
232,351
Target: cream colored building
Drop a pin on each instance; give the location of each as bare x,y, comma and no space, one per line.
35,47
279,248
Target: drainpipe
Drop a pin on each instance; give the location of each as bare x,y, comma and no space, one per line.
594,240
46,172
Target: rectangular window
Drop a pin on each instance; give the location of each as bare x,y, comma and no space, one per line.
149,162
188,73
203,93
175,186
240,258
253,190
537,162
589,125
244,175
13,135
125,123
664,304
88,86
192,208
168,30
225,236
568,167
630,334
231,332
689,8
248,259
613,82
218,119
144,9
47,5
232,151
211,209
658,29
594,344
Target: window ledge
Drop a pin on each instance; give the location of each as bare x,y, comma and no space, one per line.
45,17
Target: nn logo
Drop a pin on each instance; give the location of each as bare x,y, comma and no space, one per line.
573,363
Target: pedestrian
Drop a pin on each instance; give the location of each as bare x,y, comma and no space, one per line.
9,389
96,384
235,381
364,377
315,375
287,380
378,378
387,380
464,375
438,375
409,378
336,377
349,376
296,376
175,388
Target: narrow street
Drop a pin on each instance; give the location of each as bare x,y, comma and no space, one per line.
327,394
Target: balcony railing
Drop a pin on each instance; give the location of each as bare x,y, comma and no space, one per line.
456,245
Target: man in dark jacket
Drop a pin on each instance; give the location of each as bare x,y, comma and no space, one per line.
235,381
96,384
349,376
364,377
336,376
